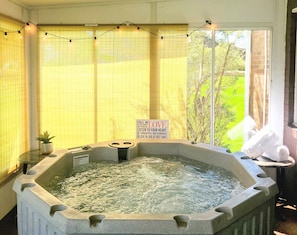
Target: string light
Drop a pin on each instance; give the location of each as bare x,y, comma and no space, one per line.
189,38
44,36
27,26
20,34
95,40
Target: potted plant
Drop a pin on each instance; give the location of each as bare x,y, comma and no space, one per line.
46,145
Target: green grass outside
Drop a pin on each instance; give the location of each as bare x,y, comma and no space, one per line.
234,98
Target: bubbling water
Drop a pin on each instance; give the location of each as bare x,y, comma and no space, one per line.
146,185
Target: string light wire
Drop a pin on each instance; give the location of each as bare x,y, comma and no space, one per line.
126,23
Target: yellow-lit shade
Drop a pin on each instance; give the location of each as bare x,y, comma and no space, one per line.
13,100
95,90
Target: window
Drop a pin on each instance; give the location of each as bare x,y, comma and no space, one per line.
13,102
96,81
228,81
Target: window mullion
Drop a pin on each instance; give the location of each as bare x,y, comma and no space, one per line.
95,89
212,105
154,78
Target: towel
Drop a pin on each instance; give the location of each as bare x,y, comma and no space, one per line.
278,153
260,142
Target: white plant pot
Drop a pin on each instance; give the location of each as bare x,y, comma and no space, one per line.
46,148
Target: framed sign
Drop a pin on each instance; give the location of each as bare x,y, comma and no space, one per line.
152,129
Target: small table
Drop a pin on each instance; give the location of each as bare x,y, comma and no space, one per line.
31,157
280,175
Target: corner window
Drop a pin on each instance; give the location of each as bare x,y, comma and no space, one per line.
212,86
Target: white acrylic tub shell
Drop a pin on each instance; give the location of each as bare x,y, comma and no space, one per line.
250,212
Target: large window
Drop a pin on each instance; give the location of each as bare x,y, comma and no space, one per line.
13,102
228,85
95,82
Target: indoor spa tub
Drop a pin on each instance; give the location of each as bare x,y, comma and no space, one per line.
251,211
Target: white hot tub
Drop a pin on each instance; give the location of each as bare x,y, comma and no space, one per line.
249,212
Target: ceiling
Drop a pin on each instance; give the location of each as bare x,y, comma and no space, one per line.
62,3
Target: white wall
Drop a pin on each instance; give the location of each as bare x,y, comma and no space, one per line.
176,11
10,9
223,14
